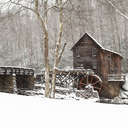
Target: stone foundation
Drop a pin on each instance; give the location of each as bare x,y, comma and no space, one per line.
24,82
110,90
6,83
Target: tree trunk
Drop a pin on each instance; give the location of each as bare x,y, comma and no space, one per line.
47,88
46,48
58,44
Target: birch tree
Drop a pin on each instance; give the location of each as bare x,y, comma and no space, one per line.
58,44
36,7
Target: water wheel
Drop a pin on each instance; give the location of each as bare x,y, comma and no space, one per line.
90,80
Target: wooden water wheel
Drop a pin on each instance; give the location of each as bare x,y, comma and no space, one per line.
90,80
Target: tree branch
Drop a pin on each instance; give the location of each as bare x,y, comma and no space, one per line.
36,5
16,3
117,10
60,56
33,10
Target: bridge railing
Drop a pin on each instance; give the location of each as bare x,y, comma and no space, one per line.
16,71
116,77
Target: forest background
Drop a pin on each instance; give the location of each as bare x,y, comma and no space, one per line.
21,41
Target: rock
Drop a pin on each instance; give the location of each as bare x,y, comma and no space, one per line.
87,93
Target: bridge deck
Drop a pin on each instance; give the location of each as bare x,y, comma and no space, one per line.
16,70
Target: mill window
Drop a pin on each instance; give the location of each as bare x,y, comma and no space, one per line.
77,52
94,52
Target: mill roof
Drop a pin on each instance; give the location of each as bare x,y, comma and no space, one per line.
97,43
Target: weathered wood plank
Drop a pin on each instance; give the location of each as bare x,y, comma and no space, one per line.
15,70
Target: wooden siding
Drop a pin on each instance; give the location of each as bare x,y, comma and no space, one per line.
88,55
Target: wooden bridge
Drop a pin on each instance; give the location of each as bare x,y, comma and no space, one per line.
82,78
19,77
66,77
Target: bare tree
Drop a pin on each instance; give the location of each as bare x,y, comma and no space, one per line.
117,9
35,6
58,44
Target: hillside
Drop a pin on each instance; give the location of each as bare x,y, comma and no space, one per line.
21,39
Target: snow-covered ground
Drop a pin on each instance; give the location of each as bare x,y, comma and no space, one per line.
18,111
66,111
124,92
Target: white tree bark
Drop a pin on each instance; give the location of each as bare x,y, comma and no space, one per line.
46,49
58,44
42,18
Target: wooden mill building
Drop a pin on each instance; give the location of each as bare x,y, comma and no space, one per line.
89,54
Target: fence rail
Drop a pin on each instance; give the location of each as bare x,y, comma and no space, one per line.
116,77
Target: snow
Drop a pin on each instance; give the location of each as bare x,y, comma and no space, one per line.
16,67
113,52
124,91
125,86
35,112
96,41
98,77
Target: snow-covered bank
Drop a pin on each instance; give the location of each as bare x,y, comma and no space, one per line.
35,112
124,90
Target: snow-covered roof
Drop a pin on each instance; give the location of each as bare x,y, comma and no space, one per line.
97,44
16,67
95,40
113,52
